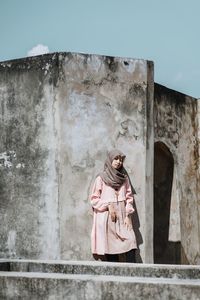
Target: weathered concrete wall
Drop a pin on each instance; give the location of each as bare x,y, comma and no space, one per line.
28,176
198,173
60,113
176,125
103,104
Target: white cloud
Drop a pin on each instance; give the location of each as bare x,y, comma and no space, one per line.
38,50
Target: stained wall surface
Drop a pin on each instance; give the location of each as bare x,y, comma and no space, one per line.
28,159
176,126
59,115
103,105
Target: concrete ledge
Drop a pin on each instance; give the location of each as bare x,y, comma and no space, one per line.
30,286
101,268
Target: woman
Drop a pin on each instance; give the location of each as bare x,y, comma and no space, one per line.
112,202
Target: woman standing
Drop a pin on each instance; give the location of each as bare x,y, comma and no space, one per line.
112,202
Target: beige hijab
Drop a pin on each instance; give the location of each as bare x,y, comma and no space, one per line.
111,176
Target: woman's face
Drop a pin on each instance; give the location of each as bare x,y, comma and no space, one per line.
117,162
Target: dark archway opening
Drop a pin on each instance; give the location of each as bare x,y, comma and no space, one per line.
165,252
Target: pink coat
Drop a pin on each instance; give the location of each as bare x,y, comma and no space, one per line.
107,236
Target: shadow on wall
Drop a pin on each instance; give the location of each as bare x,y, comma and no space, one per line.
136,226
165,251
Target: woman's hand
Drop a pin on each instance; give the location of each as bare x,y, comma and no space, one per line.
128,223
112,212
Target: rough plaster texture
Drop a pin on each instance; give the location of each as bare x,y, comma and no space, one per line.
101,268
28,176
176,125
92,280
59,115
103,105
61,286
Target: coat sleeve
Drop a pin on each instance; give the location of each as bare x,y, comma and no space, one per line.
95,197
129,199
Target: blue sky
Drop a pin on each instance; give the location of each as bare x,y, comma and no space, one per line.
165,31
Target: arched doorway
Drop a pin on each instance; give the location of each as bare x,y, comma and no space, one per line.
165,252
